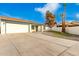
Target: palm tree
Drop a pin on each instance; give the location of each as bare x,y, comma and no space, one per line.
63,18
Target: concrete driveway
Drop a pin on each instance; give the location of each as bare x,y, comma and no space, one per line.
36,44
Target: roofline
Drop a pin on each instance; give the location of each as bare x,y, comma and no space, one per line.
18,20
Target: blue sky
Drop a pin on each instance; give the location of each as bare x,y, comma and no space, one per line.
36,11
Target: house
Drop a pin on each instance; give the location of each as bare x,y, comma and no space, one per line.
71,27
13,25
69,24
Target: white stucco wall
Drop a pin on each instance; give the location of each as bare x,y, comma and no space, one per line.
18,27
33,30
39,28
14,27
42,28
57,29
30,28
47,28
54,28
3,27
71,30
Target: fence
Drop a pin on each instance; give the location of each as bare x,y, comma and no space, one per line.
71,30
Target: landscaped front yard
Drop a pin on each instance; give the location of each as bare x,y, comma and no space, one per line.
62,35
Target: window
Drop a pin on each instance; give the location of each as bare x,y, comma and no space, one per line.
32,26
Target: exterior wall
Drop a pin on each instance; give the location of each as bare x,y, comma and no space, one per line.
33,30
3,30
13,27
19,27
0,25
71,30
42,26
57,29
39,28
53,28
30,28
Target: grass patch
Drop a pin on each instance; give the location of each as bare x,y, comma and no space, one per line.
61,33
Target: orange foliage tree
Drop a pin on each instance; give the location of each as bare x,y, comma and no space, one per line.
50,19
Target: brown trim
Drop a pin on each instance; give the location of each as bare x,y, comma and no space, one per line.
18,20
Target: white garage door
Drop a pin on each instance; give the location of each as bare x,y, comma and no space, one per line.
16,27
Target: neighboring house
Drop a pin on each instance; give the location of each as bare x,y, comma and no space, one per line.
13,25
74,29
71,27
69,24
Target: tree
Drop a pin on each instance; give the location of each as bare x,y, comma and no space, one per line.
63,18
50,19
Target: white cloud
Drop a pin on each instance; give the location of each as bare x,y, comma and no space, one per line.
52,7
77,15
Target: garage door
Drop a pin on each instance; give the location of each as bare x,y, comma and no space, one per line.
16,27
